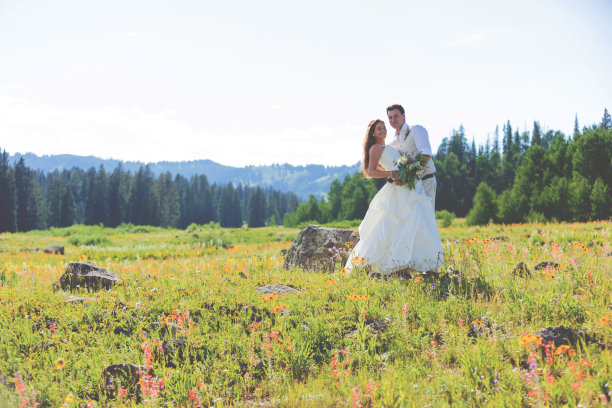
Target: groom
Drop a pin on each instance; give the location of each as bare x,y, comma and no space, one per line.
412,140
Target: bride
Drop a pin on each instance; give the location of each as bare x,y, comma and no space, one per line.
399,230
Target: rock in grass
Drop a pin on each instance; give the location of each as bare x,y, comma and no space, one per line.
320,248
126,375
452,272
560,335
373,328
521,270
87,276
174,352
49,323
55,249
545,265
76,299
254,314
280,289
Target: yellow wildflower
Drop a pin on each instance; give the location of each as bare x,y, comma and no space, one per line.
59,364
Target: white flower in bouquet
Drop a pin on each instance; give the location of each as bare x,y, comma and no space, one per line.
410,168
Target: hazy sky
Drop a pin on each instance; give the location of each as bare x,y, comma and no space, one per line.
259,82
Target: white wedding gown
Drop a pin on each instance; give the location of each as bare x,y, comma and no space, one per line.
399,229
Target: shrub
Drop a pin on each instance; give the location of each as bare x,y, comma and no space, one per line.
485,207
446,216
88,240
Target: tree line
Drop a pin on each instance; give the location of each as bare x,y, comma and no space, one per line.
516,176
35,200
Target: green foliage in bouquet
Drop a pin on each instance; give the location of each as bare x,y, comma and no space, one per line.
410,168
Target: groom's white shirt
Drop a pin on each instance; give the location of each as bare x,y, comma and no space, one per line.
416,141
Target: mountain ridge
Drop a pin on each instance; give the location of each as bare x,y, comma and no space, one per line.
303,180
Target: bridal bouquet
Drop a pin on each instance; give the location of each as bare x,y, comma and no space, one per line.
410,168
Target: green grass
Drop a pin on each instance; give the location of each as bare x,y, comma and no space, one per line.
457,341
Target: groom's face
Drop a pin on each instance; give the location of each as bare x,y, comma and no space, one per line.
396,119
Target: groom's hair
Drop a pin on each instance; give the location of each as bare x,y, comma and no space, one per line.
396,106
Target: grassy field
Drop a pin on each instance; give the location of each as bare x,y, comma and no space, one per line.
466,338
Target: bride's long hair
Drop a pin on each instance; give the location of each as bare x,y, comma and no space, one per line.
369,141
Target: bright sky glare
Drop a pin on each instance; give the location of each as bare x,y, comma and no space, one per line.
282,81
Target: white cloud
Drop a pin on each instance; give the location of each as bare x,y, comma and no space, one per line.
135,134
319,144
135,34
471,39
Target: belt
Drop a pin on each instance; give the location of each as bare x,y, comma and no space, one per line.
428,176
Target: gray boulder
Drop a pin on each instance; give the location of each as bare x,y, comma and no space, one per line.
521,270
560,335
546,265
87,276
320,248
76,299
49,323
125,376
280,289
55,249
374,328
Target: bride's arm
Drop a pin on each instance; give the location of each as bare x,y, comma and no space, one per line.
373,171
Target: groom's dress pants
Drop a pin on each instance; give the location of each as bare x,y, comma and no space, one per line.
430,189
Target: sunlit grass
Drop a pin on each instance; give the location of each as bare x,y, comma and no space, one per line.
466,339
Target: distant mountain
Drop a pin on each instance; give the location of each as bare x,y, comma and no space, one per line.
302,180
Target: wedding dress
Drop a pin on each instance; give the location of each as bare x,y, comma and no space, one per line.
399,229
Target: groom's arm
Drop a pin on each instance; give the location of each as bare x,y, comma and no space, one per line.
421,139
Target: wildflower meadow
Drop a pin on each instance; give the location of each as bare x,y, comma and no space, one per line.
186,325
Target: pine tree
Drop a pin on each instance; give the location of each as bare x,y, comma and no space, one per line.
257,209
536,134
576,128
230,210
458,144
335,199
495,148
237,210
442,149
606,121
22,184
55,194
8,198
68,208
507,138
272,209
142,201
168,207
116,196
203,200
509,156
96,209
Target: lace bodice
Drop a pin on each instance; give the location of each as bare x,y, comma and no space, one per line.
390,154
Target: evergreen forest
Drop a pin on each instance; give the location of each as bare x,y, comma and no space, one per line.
514,177
35,200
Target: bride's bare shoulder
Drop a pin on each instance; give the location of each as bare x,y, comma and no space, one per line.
377,148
